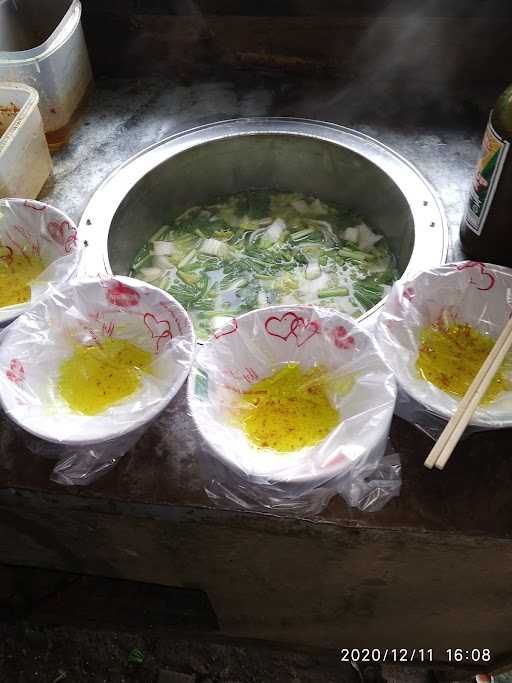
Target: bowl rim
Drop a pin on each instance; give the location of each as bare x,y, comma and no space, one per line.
36,205
444,269
183,374
302,478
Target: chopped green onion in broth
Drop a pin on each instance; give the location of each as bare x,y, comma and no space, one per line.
261,248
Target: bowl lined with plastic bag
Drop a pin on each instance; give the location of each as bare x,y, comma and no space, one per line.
39,247
435,331
344,398
94,361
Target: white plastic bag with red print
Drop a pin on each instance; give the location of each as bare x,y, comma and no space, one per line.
349,461
478,294
86,313
35,229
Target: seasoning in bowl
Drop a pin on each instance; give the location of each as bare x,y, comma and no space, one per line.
289,410
451,355
17,272
99,376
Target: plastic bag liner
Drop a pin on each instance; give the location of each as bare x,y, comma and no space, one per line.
349,461
34,229
88,313
478,294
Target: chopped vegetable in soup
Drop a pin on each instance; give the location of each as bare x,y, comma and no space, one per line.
258,248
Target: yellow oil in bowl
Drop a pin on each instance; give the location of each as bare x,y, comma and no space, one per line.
97,377
451,355
289,410
17,272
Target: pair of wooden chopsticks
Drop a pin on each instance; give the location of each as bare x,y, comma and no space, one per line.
451,434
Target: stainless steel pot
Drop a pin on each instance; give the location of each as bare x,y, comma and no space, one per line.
335,163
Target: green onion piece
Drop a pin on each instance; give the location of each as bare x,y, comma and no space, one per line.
354,254
196,265
300,234
141,261
368,293
189,278
328,293
159,233
186,259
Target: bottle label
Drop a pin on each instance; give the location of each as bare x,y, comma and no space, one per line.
486,178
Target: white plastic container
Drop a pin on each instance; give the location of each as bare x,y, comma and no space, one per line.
466,293
25,161
58,68
248,349
88,313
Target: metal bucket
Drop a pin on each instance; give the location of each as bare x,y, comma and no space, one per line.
334,163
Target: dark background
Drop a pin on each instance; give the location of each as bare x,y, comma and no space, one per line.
437,41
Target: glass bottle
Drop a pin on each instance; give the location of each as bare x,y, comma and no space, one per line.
486,228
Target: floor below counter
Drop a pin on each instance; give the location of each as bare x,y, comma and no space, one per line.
128,632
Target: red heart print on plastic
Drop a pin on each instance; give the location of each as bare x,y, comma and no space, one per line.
160,329
483,280
290,324
303,331
62,233
108,329
341,338
228,329
121,295
16,372
282,327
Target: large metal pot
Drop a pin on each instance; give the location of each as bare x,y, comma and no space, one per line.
335,163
